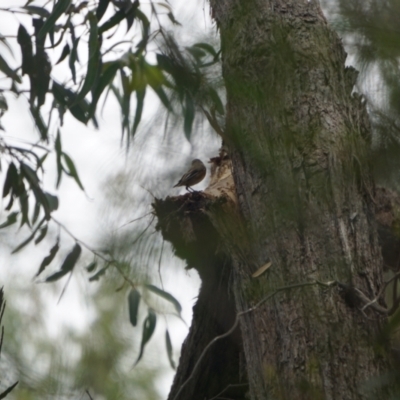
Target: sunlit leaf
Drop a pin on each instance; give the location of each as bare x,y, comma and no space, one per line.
149,326
168,345
133,304
165,295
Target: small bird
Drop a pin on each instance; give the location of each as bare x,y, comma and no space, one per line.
196,174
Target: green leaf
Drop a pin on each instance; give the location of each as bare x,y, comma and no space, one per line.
25,42
52,201
11,219
7,70
140,95
219,107
101,8
42,12
60,7
11,179
165,295
24,206
65,51
109,71
189,111
73,56
168,345
149,326
68,264
42,234
133,304
91,267
36,212
29,238
58,148
98,274
40,125
94,59
117,18
8,390
207,47
48,259
72,170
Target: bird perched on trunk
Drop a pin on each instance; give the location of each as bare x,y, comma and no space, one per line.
196,174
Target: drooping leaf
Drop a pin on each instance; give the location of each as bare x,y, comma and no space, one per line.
72,170
58,148
24,206
41,11
71,258
98,274
207,47
91,267
41,235
65,51
133,304
168,345
29,238
36,212
93,59
11,219
189,112
8,390
117,18
107,76
40,125
48,259
140,95
165,295
52,201
60,7
73,58
149,326
101,8
11,179
8,71
68,264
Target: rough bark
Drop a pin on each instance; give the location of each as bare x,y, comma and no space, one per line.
297,139
304,200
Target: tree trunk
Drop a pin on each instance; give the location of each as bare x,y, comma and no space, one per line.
298,142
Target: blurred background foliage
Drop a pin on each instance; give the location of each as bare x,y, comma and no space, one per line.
70,59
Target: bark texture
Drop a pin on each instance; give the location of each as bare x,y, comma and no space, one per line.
297,138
